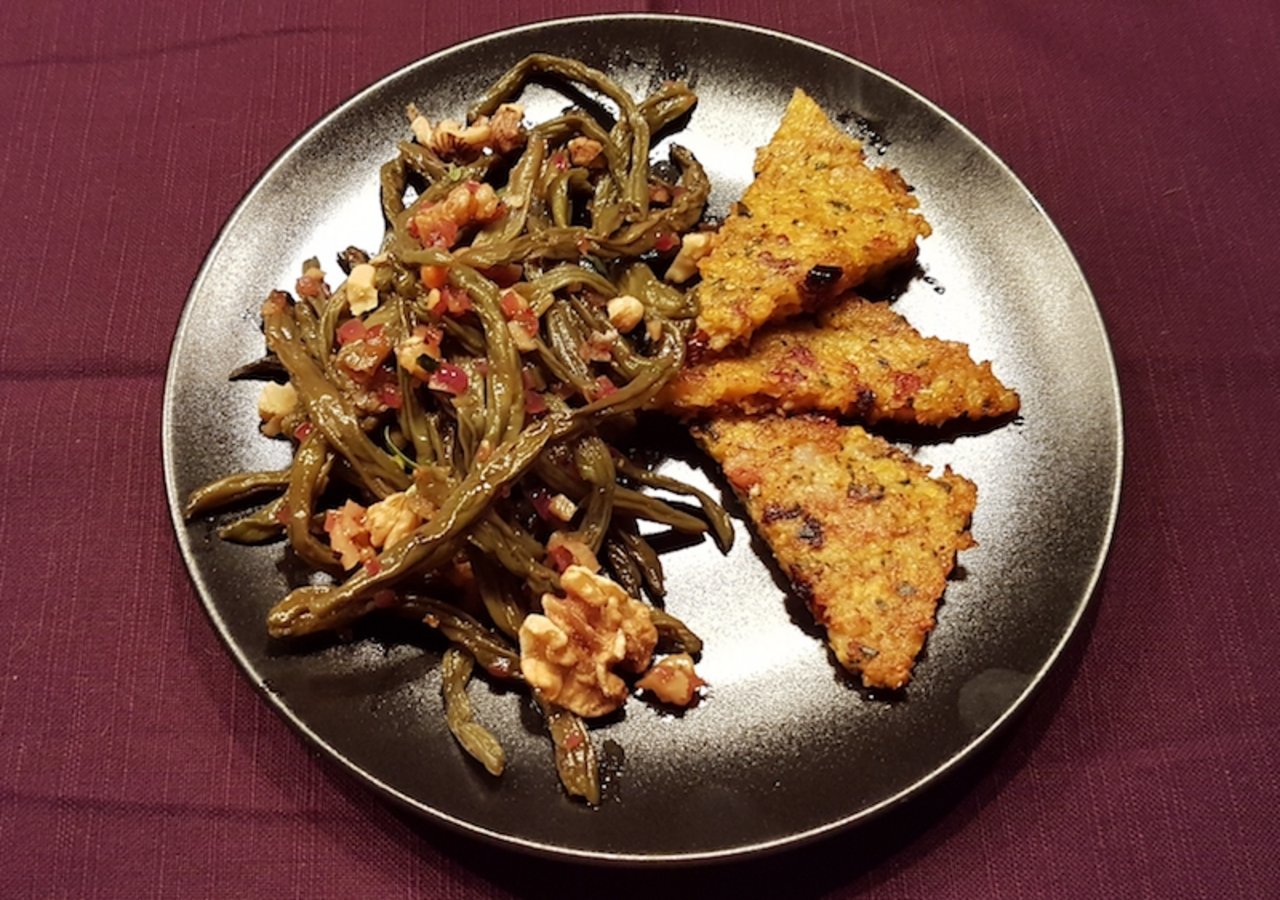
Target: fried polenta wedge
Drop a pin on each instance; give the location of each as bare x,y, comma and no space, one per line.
865,535
816,221
859,359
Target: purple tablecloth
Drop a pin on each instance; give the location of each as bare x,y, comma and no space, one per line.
138,761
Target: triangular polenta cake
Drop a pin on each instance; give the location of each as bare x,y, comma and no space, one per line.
816,221
865,534
858,359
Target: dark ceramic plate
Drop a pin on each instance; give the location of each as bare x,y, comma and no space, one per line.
783,748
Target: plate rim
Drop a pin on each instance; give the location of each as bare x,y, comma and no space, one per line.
542,848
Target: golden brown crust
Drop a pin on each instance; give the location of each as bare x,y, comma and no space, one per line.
816,221
858,359
866,536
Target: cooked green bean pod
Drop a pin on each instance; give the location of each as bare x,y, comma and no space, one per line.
646,559
259,527
499,602
233,489
721,524
478,741
311,463
673,635
494,655
461,410
325,405
574,754
323,607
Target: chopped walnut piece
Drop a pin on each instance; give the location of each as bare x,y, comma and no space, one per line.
693,247
506,128
583,151
276,403
451,140
625,313
569,653
565,550
672,679
391,520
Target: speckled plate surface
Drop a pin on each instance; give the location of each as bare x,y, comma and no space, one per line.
783,748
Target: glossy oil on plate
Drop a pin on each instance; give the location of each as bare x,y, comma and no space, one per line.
782,748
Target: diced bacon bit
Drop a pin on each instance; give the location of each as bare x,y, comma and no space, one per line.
362,356
434,276
356,533
625,312
389,395
348,534
433,231
302,431
282,514
275,403
535,404
692,248
598,347
512,303
449,378
672,679
905,384
560,160
522,322
435,303
583,151
556,509
439,224
311,284
604,387
457,301
420,351
362,295
534,401
350,330
540,498
564,550
665,240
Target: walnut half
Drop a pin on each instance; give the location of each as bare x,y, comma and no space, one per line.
570,652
